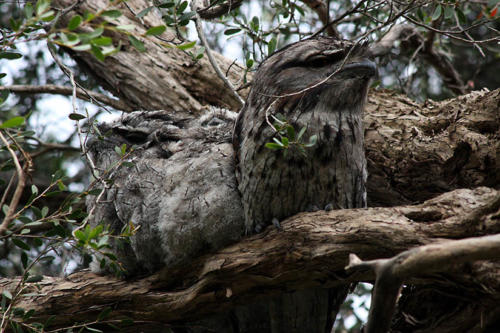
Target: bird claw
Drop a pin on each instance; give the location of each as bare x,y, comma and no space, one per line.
312,208
329,207
277,224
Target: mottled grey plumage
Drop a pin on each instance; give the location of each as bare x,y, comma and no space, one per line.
333,174
182,192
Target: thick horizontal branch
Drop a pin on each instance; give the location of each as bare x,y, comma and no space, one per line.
68,91
310,251
163,77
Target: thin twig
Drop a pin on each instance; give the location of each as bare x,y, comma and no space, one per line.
21,182
67,91
201,35
451,35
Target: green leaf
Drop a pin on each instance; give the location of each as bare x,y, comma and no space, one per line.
144,12
83,47
80,235
32,224
10,55
199,53
74,22
13,122
4,94
45,211
254,24
25,220
273,146
24,259
271,46
42,6
48,16
60,185
420,14
104,314
96,33
95,232
69,39
102,41
181,7
128,164
461,16
112,13
103,242
110,255
88,328
232,31
299,9
437,13
2,75
25,231
312,141
96,191
37,212
167,4
186,17
139,46
186,45
278,142
249,63
19,243
34,278
28,10
125,27
284,141
154,31
58,174
7,294
76,116
448,12
28,314
290,132
301,133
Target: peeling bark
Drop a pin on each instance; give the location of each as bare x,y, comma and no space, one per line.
161,78
417,151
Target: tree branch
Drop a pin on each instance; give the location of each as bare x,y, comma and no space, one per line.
213,62
21,181
218,9
412,38
320,7
88,96
167,79
310,252
391,273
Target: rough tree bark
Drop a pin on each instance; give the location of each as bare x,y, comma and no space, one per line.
311,251
414,153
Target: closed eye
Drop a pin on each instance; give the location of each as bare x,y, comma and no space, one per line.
324,60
